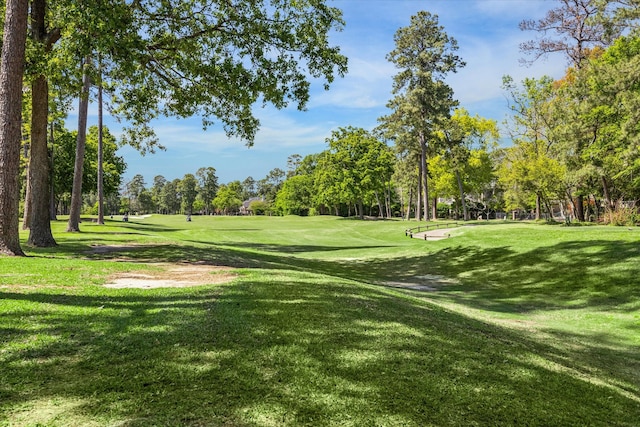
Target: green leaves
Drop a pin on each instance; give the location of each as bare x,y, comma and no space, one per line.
218,59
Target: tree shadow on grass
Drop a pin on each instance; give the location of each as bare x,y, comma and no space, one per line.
295,249
500,279
296,349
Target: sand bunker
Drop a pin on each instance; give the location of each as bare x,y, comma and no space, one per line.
172,276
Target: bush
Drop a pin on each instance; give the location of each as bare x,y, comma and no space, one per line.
622,216
443,210
259,207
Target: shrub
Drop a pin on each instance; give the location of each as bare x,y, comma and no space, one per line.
259,207
622,216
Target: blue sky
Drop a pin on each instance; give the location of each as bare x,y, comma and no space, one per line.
488,38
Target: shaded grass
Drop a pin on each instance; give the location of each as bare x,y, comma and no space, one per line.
304,337
349,356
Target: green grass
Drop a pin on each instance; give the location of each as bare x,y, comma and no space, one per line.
540,325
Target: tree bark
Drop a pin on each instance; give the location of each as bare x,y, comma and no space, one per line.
26,214
11,72
434,208
40,224
38,215
418,205
52,203
606,194
409,202
418,213
579,204
100,159
76,194
425,175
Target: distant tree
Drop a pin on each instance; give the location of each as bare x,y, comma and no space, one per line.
113,166
308,164
462,134
63,163
355,169
474,176
188,189
249,188
572,29
169,202
207,186
159,182
145,201
424,54
530,177
293,162
134,188
406,179
327,189
531,173
228,198
268,187
294,198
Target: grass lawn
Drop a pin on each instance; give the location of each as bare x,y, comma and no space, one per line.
327,321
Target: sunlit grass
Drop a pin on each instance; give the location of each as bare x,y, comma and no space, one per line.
539,325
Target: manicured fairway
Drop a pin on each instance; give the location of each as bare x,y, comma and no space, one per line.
323,321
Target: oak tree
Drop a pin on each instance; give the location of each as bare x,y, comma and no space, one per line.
11,70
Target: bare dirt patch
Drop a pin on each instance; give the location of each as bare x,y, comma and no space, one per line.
172,276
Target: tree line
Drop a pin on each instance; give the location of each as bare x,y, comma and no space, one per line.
141,60
575,142
198,193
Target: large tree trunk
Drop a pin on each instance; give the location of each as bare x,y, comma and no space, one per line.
40,225
538,205
39,174
11,71
76,193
